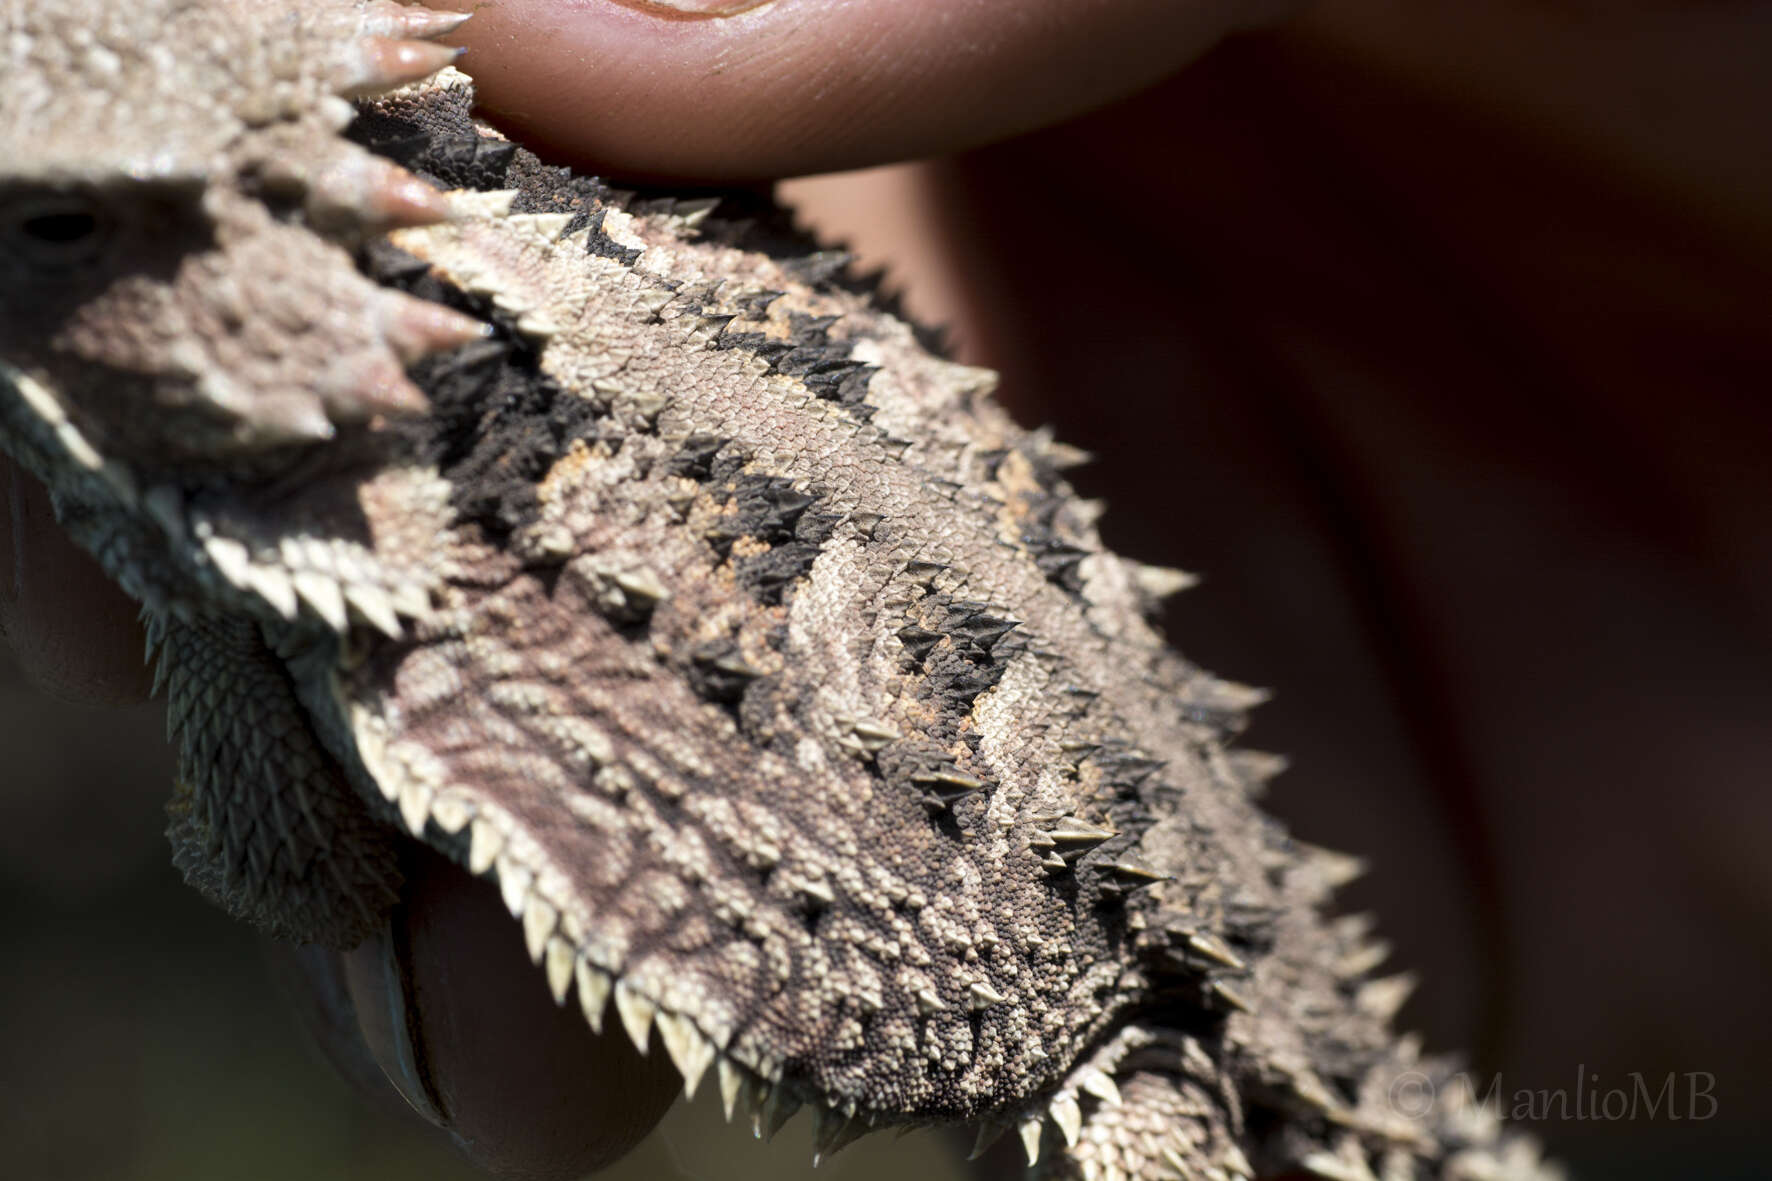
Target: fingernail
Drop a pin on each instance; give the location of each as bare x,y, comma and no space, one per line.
380,990
313,981
692,9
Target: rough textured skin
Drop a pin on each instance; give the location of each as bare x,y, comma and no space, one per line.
630,554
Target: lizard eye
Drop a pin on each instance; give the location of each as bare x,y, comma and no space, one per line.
54,234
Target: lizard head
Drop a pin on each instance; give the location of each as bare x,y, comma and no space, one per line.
179,301
175,229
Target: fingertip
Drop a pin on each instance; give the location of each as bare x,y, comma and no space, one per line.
730,91
462,1024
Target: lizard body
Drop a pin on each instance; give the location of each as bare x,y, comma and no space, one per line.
631,555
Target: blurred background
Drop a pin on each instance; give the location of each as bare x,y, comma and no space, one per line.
1437,340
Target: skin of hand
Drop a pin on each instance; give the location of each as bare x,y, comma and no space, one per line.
737,90
70,627
1359,108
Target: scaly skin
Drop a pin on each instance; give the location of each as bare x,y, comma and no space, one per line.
629,554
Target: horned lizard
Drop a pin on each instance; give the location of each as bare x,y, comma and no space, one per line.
631,554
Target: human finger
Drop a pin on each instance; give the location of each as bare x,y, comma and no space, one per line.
460,1022
732,90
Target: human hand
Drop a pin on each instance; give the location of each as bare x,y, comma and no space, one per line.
671,89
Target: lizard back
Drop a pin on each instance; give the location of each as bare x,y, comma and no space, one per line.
634,556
